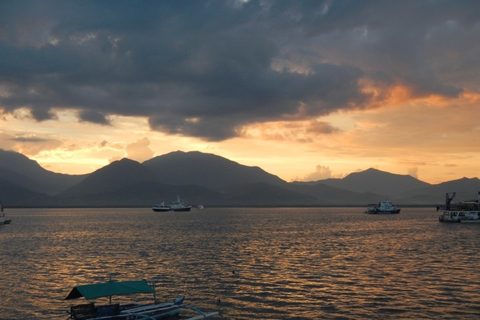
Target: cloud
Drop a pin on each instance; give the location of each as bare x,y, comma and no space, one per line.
413,172
6,141
206,69
93,116
321,173
28,144
139,150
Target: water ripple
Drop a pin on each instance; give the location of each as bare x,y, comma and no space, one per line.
281,263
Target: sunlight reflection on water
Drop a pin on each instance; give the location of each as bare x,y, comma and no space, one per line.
276,263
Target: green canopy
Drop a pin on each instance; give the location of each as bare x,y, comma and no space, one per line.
111,288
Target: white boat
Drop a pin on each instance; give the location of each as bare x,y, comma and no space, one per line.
3,219
176,205
161,207
382,207
460,216
155,310
464,212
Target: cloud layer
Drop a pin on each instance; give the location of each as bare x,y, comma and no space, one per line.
208,68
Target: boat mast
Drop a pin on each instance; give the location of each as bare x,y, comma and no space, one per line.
448,199
154,290
110,297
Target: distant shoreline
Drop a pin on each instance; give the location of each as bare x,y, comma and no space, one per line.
223,206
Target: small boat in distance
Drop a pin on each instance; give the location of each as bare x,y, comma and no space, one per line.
382,207
464,212
177,205
460,216
3,219
155,310
161,207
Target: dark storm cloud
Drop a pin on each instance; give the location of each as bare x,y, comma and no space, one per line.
93,116
205,68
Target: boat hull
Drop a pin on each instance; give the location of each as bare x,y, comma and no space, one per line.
460,217
161,311
124,312
157,209
182,209
382,212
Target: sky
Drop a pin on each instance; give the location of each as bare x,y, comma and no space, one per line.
306,90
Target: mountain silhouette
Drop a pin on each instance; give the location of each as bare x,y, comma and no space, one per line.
114,176
376,181
30,175
202,178
208,170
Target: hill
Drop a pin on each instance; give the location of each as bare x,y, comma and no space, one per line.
28,174
376,181
465,189
201,178
110,178
208,170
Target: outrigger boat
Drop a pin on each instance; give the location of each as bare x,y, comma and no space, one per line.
464,212
131,311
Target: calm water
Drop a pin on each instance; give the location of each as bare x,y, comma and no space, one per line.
287,263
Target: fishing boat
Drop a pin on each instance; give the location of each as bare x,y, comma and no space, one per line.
161,207
3,219
177,205
464,212
130,311
382,207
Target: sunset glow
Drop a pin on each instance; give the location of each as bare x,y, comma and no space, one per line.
306,91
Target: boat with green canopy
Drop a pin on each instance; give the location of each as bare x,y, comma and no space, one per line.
110,288
130,311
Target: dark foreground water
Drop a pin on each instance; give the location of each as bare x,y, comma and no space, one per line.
282,263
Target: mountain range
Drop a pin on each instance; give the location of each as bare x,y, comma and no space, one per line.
210,180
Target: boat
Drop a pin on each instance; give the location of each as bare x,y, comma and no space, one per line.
177,205
382,207
460,216
464,212
161,207
130,311
3,219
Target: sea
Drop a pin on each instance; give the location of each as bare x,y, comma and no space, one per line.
246,263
